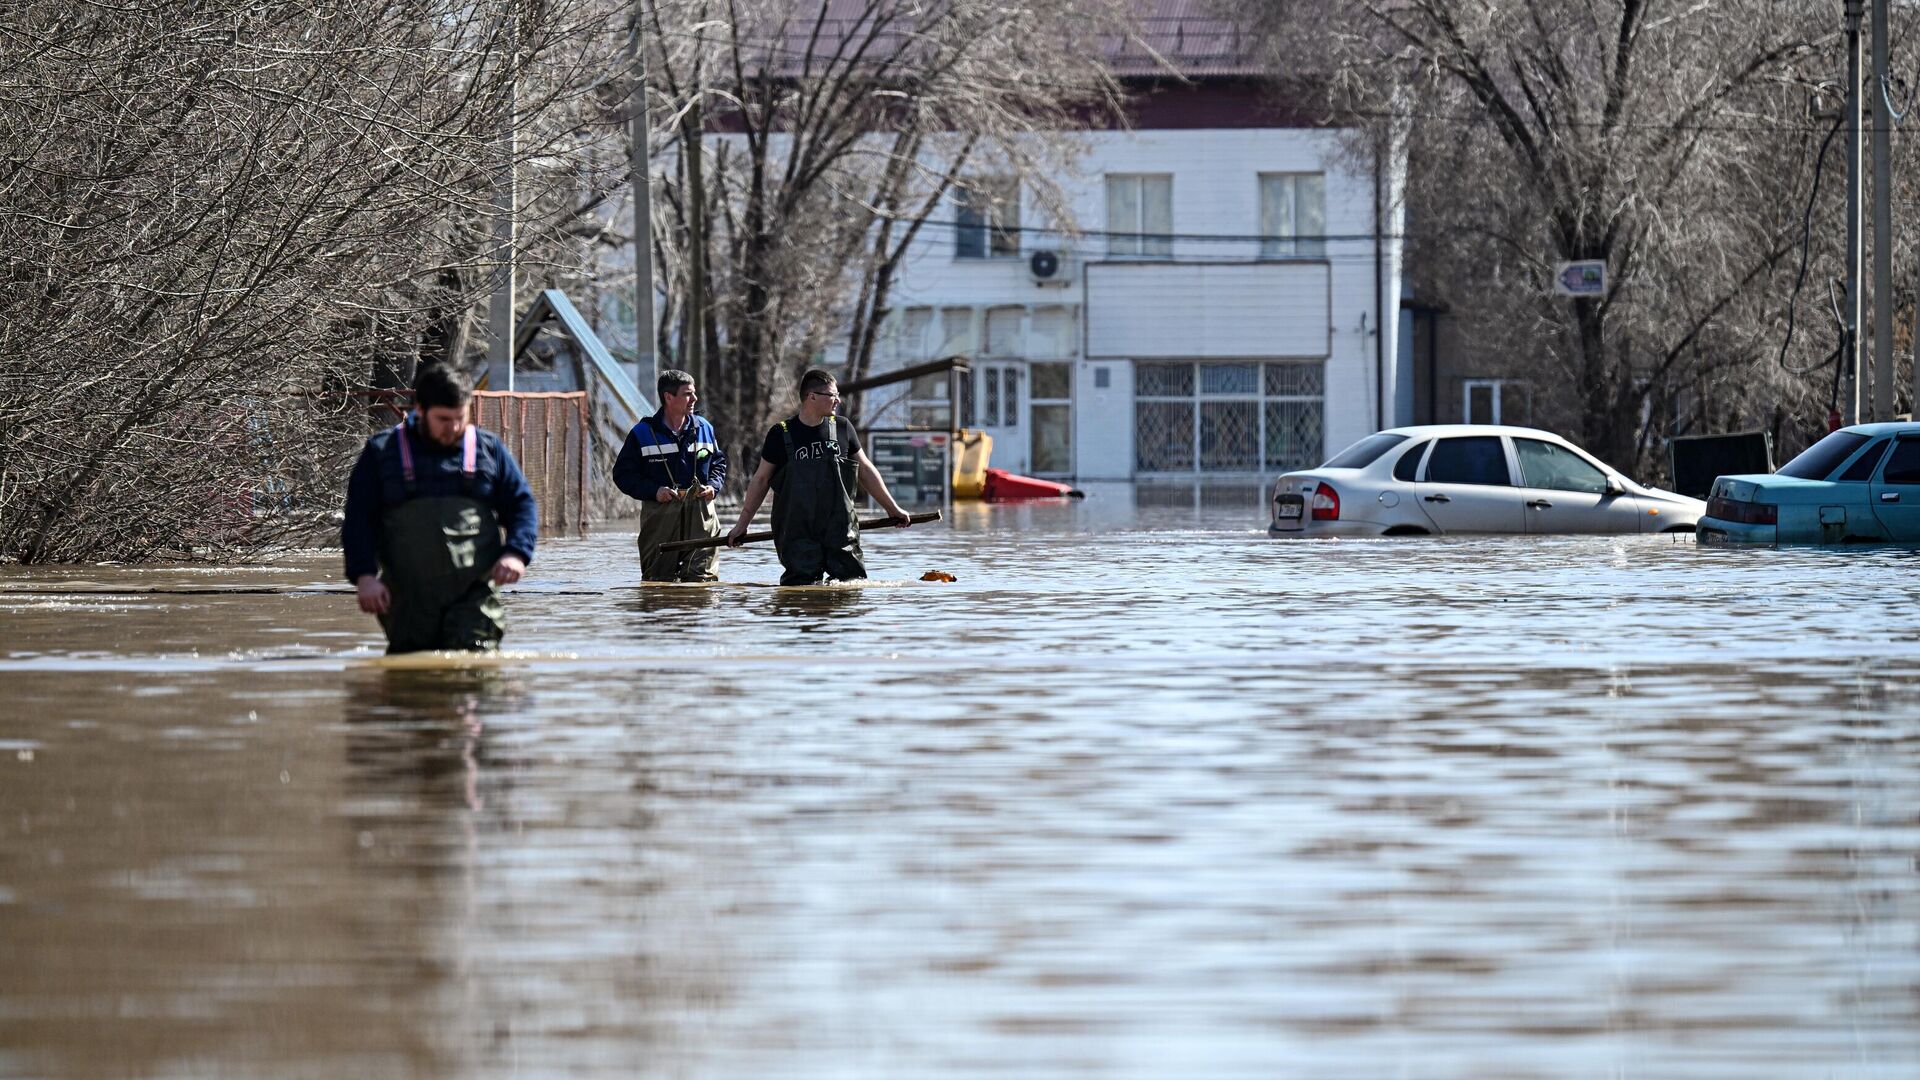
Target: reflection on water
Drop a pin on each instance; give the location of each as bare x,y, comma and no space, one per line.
1142,794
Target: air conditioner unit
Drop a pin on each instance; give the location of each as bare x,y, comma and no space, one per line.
1050,266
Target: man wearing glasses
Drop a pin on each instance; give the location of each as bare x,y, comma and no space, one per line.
673,464
813,464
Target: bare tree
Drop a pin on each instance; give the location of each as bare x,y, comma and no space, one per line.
813,141
220,218
1669,140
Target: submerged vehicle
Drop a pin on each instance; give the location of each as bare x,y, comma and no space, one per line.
1470,478
1860,484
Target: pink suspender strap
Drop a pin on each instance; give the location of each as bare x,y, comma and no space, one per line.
469,451
406,452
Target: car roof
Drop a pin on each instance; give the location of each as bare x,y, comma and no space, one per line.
1419,430
1893,427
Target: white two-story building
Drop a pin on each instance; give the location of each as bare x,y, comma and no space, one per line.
1219,315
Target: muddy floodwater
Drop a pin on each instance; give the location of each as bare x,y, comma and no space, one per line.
1142,794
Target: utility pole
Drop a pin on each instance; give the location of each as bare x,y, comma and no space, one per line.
1882,223
500,308
647,362
693,348
1850,354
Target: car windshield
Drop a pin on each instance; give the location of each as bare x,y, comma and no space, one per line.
1365,452
1816,461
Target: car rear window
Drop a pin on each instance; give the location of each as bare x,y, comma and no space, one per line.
1471,459
1816,461
1365,452
1903,466
1862,468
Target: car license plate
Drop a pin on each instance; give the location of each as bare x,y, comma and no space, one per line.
1288,511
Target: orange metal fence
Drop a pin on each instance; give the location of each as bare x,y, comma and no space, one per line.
548,435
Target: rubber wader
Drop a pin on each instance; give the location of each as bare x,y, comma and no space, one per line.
685,518
814,528
436,559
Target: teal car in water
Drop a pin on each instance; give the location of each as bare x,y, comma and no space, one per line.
1860,484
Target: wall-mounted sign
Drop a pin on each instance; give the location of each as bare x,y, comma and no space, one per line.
1587,277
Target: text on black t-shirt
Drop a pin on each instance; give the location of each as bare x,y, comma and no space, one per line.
807,441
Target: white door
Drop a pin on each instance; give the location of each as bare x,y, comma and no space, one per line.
1000,409
1050,418
1467,486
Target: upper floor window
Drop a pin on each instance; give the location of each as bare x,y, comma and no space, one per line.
1293,215
1495,401
986,218
1140,215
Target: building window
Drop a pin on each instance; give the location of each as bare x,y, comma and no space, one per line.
1140,216
1293,215
1228,417
1496,401
986,219
927,403
999,398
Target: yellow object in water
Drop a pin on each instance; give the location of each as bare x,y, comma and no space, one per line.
971,449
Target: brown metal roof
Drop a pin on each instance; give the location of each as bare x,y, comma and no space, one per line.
1187,36
1172,37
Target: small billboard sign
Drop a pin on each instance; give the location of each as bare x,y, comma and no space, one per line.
915,464
1588,277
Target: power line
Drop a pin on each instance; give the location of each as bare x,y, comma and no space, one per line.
1132,234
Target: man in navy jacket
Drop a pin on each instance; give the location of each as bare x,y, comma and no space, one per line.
673,464
427,504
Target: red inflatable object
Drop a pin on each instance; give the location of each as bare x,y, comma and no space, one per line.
1003,486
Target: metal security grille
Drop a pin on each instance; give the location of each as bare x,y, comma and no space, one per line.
1295,434
1228,417
1163,436
547,434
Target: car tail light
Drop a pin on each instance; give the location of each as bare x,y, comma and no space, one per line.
1326,503
1746,513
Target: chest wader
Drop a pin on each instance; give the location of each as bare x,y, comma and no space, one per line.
436,559
814,527
684,518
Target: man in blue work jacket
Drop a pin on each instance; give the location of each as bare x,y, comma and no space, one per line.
673,464
426,505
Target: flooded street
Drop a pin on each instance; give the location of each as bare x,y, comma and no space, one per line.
1142,794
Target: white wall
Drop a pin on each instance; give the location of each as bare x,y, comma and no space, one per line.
1199,310
1103,420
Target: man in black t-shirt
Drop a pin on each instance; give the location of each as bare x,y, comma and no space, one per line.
813,463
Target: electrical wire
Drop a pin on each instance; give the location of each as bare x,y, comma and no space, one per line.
1806,244
1203,238
1899,115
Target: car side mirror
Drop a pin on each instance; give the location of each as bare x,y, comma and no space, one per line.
1615,487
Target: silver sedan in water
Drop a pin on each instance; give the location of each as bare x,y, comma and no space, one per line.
1470,478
